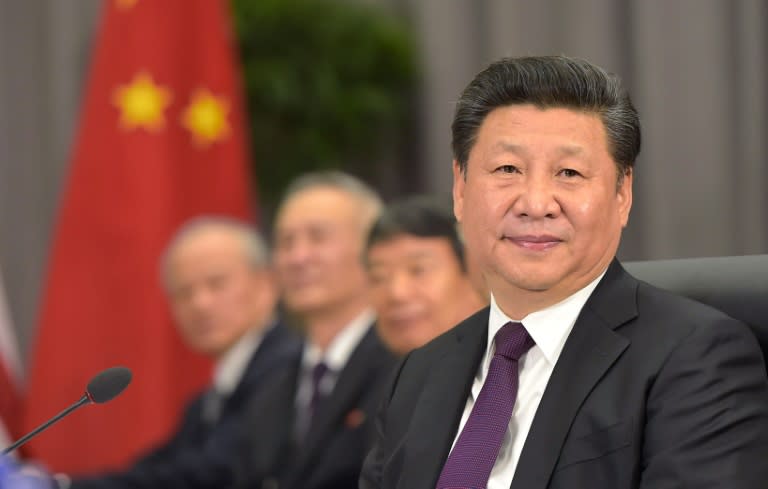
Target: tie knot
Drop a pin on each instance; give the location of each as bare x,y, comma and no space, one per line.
512,341
318,372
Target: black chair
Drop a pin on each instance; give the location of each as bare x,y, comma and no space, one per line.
737,285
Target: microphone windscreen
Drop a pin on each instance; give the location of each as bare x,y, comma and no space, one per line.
108,384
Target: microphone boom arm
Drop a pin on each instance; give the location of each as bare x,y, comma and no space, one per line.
83,400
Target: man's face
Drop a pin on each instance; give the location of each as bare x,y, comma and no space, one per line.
317,252
216,295
539,202
418,289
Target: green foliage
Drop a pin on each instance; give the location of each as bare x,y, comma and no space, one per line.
327,83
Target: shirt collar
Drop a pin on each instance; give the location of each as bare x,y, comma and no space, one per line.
230,367
342,345
549,327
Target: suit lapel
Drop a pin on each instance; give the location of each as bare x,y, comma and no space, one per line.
278,347
592,347
441,404
272,420
354,378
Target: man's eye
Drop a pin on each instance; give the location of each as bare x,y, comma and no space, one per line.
569,172
217,282
377,275
417,270
375,278
507,169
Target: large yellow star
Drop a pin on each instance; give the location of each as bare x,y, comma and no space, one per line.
125,4
206,117
142,103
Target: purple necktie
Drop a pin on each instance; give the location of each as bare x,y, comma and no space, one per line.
470,463
304,416
318,374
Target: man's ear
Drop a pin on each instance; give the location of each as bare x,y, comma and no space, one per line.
624,197
458,191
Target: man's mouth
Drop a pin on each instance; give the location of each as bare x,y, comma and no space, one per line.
535,242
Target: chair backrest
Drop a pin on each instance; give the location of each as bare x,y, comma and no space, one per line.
737,285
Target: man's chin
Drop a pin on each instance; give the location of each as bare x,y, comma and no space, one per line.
305,301
532,281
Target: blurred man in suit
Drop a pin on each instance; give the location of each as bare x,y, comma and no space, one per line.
311,428
420,283
222,294
578,375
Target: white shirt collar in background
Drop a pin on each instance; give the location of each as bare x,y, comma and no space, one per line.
343,344
229,369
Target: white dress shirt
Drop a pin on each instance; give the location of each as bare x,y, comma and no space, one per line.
230,367
228,372
335,358
549,328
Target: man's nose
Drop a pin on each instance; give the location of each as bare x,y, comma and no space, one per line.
399,287
537,199
201,299
299,252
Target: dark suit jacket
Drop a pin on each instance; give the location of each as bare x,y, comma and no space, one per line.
199,454
340,433
650,391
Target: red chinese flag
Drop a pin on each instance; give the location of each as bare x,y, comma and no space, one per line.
161,139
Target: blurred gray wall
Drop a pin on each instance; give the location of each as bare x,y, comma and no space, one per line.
697,70
44,52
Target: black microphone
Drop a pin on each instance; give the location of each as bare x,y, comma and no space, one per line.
104,387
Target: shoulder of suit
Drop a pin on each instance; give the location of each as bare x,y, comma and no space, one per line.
473,327
279,332
376,352
673,314
651,298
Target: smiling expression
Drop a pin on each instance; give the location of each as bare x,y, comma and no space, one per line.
419,290
318,247
541,204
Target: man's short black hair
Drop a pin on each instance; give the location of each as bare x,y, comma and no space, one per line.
549,82
420,216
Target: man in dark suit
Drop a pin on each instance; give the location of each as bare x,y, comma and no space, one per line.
311,428
223,297
578,375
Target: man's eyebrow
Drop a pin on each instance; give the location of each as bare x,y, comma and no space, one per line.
421,254
414,255
565,149
571,150
509,147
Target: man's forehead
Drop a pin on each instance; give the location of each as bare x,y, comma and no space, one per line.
211,240
413,247
309,223
522,129
320,195
318,204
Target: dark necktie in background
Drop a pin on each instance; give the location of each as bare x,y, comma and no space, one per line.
318,375
307,411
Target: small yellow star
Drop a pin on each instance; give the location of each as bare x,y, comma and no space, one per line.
206,117
142,103
125,4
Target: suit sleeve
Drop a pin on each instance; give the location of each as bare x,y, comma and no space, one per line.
707,413
178,465
371,474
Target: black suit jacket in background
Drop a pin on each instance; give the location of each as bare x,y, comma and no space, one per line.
651,391
200,454
340,433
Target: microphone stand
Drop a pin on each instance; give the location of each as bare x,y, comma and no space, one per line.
83,400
